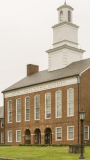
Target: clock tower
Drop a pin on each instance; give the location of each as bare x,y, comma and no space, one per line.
65,40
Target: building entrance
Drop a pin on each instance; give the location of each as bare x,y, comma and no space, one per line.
27,137
37,136
48,136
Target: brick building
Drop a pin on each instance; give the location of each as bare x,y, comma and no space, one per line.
43,108
1,126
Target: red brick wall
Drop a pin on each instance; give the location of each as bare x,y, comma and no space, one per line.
85,99
43,123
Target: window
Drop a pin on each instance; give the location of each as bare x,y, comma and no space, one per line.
61,15
27,109
37,107
47,106
58,133
35,137
58,104
70,133
2,137
10,111
2,123
18,136
70,102
9,136
86,132
18,110
69,16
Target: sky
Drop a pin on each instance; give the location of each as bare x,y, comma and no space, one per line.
26,33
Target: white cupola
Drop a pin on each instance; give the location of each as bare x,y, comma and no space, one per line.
65,40
65,13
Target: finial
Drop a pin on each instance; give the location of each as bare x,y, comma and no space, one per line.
65,2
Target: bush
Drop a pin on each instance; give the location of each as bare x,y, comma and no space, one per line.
5,145
43,145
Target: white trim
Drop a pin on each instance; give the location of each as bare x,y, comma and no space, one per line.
25,108
2,123
16,109
41,87
67,103
67,133
3,137
35,107
56,134
56,104
84,71
8,136
16,135
45,105
88,133
8,111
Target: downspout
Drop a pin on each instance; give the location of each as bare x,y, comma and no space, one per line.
4,115
78,81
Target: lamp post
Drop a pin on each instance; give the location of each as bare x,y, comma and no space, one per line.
82,117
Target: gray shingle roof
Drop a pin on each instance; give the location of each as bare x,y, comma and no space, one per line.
1,112
73,69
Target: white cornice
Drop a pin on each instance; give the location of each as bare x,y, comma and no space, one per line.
67,47
65,41
41,87
65,22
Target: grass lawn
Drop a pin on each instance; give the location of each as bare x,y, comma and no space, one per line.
41,153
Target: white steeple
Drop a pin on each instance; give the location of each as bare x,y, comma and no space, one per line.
65,40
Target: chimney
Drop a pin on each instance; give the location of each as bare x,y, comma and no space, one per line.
31,68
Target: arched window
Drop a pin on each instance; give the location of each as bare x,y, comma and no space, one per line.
58,104
47,105
37,107
70,102
61,15
27,109
69,16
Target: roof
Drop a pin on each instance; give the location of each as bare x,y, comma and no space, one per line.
1,112
71,70
65,6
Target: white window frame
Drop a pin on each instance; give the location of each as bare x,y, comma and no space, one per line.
16,109
68,103
56,104
88,133
29,108
35,107
56,134
2,123
45,105
8,136
3,137
16,135
8,111
67,133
